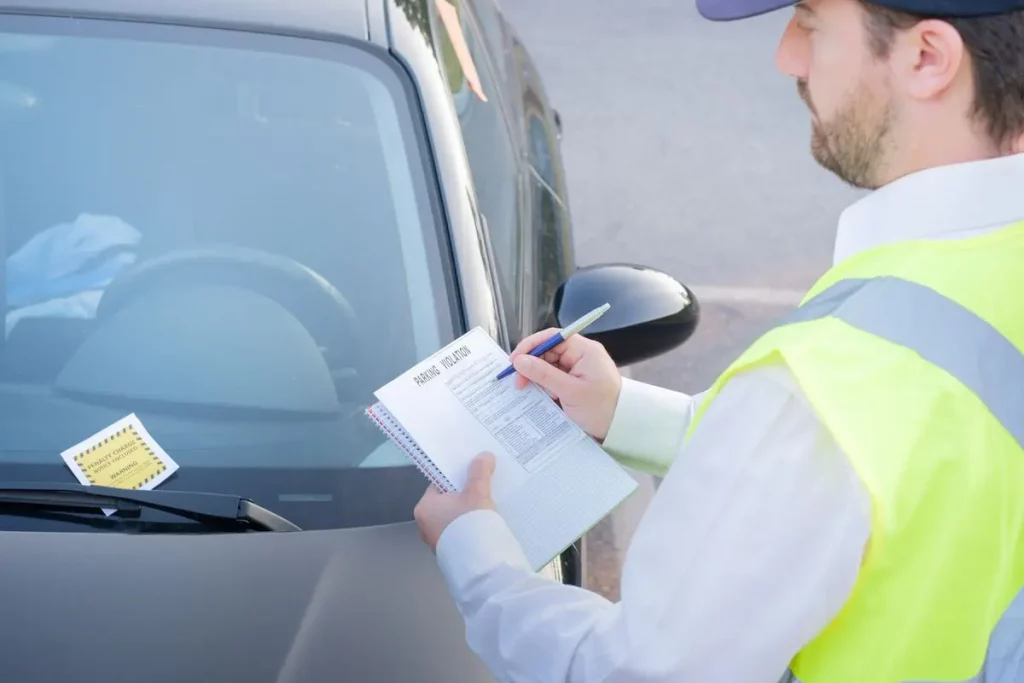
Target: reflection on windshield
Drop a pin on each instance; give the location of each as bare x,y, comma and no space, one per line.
234,244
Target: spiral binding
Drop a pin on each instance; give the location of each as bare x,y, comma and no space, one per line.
386,422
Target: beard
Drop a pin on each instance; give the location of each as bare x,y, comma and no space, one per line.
854,143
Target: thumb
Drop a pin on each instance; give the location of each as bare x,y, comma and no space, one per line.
478,481
545,375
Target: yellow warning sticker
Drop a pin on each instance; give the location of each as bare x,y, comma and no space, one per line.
122,456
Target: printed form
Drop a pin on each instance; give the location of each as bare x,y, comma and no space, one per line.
529,426
551,480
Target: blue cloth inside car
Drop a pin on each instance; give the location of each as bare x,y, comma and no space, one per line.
62,271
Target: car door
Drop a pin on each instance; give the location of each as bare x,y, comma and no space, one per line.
492,148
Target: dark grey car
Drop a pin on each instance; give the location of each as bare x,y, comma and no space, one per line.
236,220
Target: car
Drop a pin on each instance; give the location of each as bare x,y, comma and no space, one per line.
233,222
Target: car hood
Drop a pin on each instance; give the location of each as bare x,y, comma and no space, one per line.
342,605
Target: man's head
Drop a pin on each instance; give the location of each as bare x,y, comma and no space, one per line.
892,92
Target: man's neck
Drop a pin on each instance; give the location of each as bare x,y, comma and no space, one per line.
941,202
956,145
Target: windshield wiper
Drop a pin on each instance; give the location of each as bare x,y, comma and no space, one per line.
212,509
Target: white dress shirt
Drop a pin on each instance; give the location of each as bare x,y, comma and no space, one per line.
755,537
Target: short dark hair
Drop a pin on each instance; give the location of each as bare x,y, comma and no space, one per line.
996,47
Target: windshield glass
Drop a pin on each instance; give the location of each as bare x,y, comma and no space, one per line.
233,237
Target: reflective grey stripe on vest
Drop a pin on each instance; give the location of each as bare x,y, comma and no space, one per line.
967,347
940,330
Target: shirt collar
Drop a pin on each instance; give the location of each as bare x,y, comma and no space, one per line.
937,203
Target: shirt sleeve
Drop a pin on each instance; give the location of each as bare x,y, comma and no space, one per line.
648,426
750,547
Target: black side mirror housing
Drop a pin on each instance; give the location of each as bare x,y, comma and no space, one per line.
651,312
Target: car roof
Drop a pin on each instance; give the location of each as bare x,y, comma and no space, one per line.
339,18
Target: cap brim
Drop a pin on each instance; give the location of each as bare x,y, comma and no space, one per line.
731,10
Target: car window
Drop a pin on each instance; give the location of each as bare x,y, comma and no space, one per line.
231,236
540,144
493,31
492,156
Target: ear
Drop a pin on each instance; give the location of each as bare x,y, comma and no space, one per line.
928,59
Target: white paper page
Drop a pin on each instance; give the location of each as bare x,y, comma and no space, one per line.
455,409
552,482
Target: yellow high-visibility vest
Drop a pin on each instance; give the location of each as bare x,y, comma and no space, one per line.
912,355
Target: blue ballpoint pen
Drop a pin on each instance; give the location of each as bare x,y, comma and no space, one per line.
561,336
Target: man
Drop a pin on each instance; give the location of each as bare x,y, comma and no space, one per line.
846,503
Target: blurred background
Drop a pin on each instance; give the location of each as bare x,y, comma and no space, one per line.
686,151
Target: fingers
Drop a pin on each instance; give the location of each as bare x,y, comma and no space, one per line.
552,379
480,471
431,493
575,349
566,354
534,340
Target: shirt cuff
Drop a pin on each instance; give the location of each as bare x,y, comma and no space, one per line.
648,426
476,544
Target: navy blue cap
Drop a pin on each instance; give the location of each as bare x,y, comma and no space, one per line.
730,10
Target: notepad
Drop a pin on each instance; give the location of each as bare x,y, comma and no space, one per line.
552,482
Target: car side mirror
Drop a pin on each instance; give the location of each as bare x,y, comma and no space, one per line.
651,312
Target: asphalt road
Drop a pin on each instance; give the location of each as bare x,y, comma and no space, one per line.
685,151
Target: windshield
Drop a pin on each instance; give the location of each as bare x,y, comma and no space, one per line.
233,237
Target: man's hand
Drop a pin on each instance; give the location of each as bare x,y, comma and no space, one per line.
578,373
437,510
